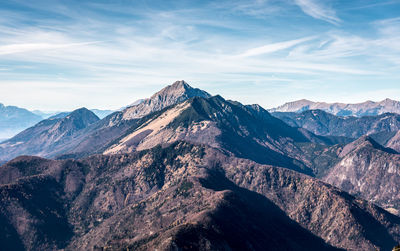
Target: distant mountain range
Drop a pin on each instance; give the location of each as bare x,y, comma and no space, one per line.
177,112
185,170
368,108
324,123
47,134
14,119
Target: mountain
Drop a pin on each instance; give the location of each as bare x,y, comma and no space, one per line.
394,141
368,170
181,197
99,133
47,134
246,131
326,124
170,95
45,115
14,119
368,108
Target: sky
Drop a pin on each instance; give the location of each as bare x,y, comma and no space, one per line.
61,55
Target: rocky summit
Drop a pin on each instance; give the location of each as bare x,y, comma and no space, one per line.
185,170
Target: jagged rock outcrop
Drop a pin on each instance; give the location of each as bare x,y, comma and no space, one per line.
170,95
394,141
369,170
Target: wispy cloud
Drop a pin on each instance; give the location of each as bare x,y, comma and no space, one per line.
146,47
316,10
28,47
274,47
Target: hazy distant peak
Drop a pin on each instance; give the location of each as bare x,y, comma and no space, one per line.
342,109
81,112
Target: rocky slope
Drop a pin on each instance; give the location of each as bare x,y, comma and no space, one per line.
14,119
394,141
181,197
247,131
170,95
93,137
47,134
367,108
369,170
323,123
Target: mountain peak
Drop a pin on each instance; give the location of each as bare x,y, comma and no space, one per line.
181,84
173,94
363,142
178,89
80,118
83,111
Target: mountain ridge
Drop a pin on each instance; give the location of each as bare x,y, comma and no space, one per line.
342,109
42,137
368,170
14,119
169,194
323,123
186,169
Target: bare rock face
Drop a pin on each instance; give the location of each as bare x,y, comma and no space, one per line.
170,95
178,112
394,142
48,134
82,133
369,170
361,109
246,131
181,197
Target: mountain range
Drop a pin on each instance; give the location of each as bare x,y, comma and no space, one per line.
326,124
368,108
14,119
185,170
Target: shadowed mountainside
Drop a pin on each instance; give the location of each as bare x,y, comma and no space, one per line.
183,196
323,123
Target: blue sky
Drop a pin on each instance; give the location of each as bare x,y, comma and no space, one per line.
60,55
